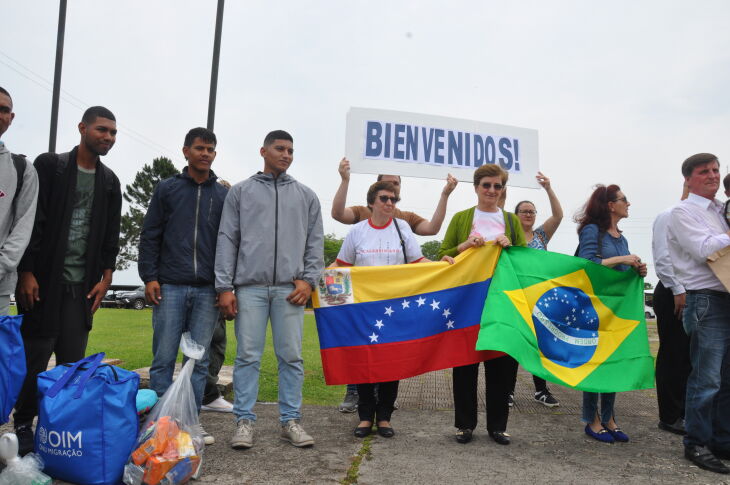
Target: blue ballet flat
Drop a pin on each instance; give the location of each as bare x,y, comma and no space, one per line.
617,434
603,435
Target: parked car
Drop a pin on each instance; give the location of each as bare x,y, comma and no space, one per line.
131,299
109,300
649,312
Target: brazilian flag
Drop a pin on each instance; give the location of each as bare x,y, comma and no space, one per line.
569,320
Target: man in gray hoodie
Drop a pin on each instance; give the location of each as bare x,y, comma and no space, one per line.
18,198
270,253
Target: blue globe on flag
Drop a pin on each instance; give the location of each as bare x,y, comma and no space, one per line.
566,325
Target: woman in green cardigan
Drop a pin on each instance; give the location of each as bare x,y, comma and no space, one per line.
468,228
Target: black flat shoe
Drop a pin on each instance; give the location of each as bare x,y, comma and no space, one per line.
463,436
677,427
500,437
703,458
386,432
363,432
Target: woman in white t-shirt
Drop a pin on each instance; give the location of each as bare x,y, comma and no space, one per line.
379,241
468,228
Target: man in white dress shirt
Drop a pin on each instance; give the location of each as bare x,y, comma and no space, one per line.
697,228
672,361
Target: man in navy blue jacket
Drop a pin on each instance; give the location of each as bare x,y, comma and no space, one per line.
176,260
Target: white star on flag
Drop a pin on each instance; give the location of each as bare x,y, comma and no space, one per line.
389,310
379,324
447,312
450,324
421,300
435,305
373,338
406,304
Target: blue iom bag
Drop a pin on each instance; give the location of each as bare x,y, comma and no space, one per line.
87,421
12,364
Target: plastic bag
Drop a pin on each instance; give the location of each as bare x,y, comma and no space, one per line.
170,445
25,471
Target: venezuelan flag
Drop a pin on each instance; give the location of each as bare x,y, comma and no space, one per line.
569,320
384,323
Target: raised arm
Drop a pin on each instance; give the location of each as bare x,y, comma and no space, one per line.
432,227
552,222
340,213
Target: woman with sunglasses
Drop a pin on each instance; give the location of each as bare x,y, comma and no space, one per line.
469,228
379,241
538,239
601,241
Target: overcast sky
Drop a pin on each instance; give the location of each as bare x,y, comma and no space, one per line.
620,92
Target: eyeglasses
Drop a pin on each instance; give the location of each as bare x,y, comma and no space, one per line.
622,199
384,199
528,212
487,185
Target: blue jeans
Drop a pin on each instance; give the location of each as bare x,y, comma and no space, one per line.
590,406
256,305
182,308
707,410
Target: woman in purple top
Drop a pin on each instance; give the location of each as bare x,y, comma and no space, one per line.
538,239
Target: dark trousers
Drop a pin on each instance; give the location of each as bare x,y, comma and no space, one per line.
370,408
540,384
69,346
672,361
500,378
216,358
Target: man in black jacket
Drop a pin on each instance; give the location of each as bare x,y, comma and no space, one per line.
176,259
67,268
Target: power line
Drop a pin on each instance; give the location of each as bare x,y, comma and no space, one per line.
80,104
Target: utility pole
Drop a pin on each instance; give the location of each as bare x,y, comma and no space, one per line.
214,69
57,75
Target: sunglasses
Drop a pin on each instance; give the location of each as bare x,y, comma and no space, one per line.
620,199
487,185
528,212
385,198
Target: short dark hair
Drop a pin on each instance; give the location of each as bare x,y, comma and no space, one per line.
695,161
490,170
377,187
517,207
91,114
726,182
277,135
381,175
203,133
5,92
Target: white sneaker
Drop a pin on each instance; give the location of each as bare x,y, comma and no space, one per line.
220,405
208,438
293,432
243,437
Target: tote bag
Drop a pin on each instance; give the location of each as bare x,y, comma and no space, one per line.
12,363
87,421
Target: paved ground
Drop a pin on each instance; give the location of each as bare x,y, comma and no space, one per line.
548,445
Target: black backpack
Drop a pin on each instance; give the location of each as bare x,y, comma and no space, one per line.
20,163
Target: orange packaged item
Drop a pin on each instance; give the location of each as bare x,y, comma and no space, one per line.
166,429
140,455
156,468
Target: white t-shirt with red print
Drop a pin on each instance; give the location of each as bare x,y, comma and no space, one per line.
369,245
487,225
